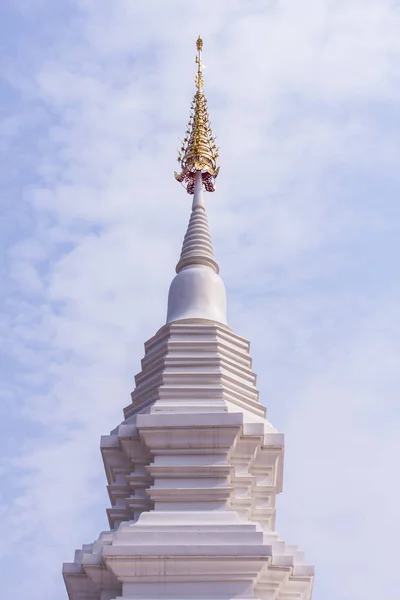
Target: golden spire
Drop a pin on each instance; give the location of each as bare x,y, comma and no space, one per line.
198,152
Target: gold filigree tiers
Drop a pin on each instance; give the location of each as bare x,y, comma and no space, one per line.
199,151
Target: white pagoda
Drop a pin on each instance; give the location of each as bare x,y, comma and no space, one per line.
194,468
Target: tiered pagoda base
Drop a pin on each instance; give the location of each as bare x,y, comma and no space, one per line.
193,473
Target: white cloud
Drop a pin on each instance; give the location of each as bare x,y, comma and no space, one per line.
301,96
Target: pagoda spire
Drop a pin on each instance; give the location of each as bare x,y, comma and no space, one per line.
198,152
194,468
197,291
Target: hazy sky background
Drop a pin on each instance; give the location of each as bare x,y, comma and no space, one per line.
304,99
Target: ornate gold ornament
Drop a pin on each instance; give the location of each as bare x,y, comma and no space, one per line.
199,151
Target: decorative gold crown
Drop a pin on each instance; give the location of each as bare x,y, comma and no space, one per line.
198,151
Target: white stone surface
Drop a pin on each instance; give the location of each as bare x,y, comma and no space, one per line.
194,469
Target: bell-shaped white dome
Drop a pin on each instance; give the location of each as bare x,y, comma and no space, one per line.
197,292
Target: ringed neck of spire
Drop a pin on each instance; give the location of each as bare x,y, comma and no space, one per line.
197,246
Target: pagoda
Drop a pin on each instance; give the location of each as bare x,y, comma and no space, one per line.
194,468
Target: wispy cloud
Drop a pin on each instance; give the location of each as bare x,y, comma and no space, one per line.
304,100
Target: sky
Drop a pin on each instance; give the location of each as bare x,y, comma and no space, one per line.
304,99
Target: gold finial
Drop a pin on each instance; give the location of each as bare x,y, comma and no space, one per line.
198,150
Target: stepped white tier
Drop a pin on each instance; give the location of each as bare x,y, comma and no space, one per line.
194,469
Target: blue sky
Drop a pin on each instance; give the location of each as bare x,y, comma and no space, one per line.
304,99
